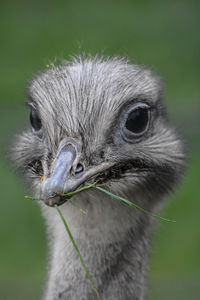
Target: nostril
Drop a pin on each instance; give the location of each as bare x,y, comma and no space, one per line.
79,169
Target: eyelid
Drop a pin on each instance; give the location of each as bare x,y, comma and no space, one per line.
136,106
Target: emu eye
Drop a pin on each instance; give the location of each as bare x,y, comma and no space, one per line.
136,121
35,120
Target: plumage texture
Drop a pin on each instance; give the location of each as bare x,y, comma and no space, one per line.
86,101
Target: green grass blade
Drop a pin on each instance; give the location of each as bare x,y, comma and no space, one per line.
78,252
31,198
81,189
77,206
133,205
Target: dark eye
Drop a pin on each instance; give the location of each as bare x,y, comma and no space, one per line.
35,120
136,121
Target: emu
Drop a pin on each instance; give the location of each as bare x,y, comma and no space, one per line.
99,118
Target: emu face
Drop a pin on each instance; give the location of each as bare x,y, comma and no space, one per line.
98,119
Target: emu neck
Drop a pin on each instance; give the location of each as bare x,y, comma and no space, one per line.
113,240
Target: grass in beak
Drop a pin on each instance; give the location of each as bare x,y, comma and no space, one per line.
127,202
77,206
31,198
78,252
69,200
86,187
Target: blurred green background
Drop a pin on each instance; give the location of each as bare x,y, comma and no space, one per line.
161,34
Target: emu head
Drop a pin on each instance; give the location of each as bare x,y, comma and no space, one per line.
98,119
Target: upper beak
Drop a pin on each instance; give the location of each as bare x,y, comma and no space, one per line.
63,178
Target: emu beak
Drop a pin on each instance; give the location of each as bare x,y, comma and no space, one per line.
63,179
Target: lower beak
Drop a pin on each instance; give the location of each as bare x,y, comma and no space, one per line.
63,179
